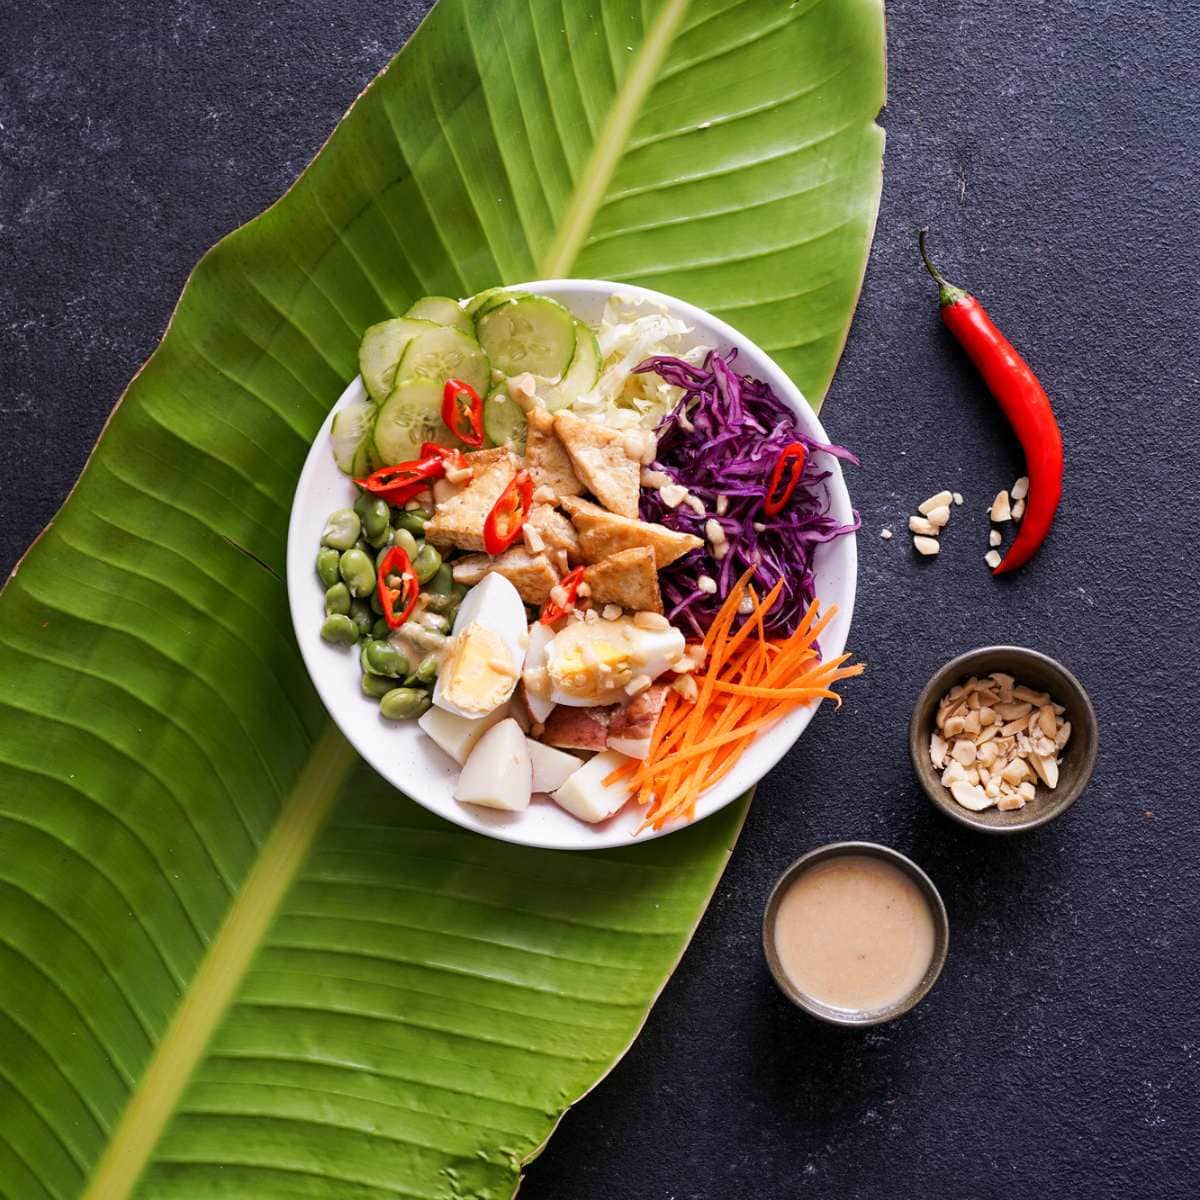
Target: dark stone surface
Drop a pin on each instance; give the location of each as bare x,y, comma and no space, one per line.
1053,148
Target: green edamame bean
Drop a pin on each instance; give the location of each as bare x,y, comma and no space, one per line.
339,630
377,686
427,563
374,514
381,541
460,592
341,529
425,639
376,604
337,600
380,630
365,546
442,583
406,542
412,521
362,616
384,659
327,565
358,572
427,669
404,704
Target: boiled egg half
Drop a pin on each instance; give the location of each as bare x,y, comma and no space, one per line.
487,648
591,662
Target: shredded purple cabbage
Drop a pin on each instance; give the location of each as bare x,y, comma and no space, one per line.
723,438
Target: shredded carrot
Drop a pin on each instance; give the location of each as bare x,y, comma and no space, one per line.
747,684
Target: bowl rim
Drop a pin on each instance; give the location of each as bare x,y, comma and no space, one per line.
960,667
767,752
871,1017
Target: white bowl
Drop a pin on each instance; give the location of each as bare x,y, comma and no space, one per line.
409,760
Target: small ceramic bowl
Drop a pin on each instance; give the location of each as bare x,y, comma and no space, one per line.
837,1016
1037,671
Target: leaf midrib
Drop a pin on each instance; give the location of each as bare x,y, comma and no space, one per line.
206,1001
589,192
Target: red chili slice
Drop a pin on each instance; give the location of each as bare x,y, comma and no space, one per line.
788,469
396,565
569,583
503,524
462,412
400,483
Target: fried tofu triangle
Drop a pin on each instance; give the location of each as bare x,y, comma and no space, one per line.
531,574
546,457
459,521
603,533
600,462
627,578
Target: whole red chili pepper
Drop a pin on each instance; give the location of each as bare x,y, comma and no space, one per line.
569,583
788,468
1024,402
462,412
396,565
503,523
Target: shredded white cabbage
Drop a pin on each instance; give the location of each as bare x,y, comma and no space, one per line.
632,330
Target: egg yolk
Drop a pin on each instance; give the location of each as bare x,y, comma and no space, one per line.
592,666
479,673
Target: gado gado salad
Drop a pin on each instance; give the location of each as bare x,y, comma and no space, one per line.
581,559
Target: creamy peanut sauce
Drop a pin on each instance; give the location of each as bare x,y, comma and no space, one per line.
854,932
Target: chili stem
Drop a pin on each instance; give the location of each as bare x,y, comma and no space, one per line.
948,293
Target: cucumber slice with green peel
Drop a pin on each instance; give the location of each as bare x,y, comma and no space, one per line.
531,334
503,419
581,375
446,353
351,436
412,414
504,296
381,349
443,311
487,298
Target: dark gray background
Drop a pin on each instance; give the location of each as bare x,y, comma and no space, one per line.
1052,146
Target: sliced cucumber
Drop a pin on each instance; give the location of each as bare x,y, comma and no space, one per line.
412,414
581,375
351,436
443,311
531,334
487,298
445,353
380,352
504,419
503,296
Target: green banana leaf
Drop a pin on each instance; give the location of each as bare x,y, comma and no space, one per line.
233,962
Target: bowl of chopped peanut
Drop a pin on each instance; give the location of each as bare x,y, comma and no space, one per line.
1003,739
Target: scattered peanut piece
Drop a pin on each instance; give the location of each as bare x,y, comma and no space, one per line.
958,499
1020,489
938,500
1018,510
992,558
993,738
994,538
886,534
933,514
1001,509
